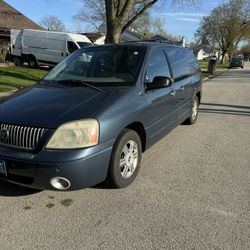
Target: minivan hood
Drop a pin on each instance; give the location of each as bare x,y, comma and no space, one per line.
49,106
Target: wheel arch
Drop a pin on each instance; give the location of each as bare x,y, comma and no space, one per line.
198,94
31,56
140,130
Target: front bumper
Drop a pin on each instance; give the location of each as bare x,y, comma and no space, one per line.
83,168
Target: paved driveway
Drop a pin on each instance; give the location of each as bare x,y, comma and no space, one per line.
193,191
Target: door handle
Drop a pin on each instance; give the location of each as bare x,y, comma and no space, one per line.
173,93
182,88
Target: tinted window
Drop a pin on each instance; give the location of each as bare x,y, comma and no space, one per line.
183,62
157,65
103,65
72,47
237,59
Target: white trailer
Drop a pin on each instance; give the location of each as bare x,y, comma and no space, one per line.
44,47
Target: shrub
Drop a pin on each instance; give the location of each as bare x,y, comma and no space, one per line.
4,47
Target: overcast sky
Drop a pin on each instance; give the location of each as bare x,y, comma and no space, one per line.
179,20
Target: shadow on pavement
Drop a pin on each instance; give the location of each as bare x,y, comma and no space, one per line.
226,105
9,189
233,109
102,185
244,74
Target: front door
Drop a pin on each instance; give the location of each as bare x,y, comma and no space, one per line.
161,113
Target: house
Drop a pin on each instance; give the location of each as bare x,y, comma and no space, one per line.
167,40
99,37
130,35
11,18
202,52
95,37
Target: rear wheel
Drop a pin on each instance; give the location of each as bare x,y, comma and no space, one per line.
32,62
125,159
194,112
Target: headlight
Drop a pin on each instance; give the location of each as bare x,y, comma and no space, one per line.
77,134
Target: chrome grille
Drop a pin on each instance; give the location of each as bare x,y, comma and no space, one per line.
20,137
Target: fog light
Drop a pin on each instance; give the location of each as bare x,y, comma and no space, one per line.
60,183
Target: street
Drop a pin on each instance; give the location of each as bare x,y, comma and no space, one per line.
192,191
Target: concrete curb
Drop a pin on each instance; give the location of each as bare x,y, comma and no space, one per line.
8,93
218,73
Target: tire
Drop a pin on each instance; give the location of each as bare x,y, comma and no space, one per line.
32,62
125,159
18,62
242,67
194,112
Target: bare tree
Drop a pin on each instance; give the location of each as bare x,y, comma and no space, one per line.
147,27
119,14
245,50
92,13
52,23
142,25
227,25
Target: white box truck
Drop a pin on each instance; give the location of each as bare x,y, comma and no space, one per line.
44,47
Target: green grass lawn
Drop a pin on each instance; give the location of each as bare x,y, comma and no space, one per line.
13,77
223,65
204,66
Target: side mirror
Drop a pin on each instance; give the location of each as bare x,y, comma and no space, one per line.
159,82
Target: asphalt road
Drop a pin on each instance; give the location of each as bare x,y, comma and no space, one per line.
193,190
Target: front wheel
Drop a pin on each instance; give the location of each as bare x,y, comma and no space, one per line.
18,62
32,62
125,159
194,112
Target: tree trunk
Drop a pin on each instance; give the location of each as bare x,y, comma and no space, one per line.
118,16
223,56
114,25
113,34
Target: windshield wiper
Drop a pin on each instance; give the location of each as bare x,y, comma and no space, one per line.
81,82
49,83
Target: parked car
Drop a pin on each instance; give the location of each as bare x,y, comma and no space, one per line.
40,47
93,115
237,62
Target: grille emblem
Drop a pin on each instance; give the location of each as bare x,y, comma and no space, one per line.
4,134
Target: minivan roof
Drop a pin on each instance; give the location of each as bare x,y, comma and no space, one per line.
148,44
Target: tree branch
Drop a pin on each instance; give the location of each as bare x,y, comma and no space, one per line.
138,14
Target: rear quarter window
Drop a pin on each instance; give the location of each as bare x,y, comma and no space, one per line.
183,62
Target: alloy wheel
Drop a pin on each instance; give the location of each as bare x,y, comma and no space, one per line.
129,159
194,110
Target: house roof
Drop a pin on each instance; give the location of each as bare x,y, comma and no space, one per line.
93,36
11,18
201,47
129,36
160,37
165,39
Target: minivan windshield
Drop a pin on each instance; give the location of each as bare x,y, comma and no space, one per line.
100,65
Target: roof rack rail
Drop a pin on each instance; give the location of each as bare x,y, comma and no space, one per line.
179,43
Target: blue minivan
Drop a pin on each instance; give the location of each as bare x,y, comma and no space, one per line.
92,116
